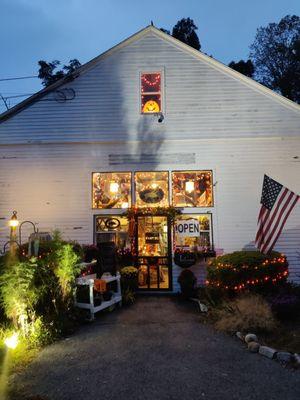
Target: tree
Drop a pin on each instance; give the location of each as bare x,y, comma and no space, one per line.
275,53
49,74
185,30
244,67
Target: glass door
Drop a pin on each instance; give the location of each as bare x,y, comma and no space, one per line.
153,249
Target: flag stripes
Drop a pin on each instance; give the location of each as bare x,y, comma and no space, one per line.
277,204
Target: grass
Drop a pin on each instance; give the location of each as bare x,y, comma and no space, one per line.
285,338
251,313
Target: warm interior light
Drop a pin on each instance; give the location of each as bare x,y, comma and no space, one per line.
125,205
165,228
13,222
12,341
151,106
189,186
154,185
114,187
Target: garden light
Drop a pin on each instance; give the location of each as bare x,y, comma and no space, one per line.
13,222
12,341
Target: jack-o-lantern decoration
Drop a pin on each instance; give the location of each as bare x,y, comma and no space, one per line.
151,106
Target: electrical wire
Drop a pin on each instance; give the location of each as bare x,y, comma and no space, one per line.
19,77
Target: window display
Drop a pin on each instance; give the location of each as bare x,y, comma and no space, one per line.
111,190
192,189
150,93
192,233
111,228
152,189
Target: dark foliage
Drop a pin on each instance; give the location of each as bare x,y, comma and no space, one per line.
275,54
286,303
49,73
244,67
185,31
248,270
165,31
187,282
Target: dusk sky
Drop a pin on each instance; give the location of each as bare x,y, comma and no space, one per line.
31,30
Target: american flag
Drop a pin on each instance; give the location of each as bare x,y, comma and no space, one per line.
277,203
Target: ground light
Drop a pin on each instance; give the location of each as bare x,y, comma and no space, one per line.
12,341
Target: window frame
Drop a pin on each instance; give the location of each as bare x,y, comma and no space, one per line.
112,208
135,192
162,85
196,213
191,171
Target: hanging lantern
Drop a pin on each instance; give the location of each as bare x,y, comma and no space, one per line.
13,222
114,187
189,186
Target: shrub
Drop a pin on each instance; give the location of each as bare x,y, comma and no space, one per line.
66,269
246,313
187,282
247,270
90,253
19,295
286,306
37,294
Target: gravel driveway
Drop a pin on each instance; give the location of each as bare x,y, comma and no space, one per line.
156,349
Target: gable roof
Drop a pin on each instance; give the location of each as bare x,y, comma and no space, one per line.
152,29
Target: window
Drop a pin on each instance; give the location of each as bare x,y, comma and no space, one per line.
151,93
112,229
111,190
152,189
192,189
193,233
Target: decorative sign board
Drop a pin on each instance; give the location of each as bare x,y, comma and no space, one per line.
152,237
187,228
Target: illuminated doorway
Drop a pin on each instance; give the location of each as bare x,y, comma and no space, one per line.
153,253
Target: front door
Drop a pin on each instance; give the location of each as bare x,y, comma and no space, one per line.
153,253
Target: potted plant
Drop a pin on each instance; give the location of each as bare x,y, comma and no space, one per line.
187,282
124,257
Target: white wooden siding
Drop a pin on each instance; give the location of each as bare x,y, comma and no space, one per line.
200,102
51,184
49,150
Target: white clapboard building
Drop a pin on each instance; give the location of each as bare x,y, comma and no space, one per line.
151,123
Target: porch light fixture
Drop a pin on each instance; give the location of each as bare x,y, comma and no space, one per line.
114,187
189,186
13,222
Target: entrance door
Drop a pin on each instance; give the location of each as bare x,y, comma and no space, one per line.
153,249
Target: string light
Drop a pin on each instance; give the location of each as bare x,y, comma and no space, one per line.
149,83
252,282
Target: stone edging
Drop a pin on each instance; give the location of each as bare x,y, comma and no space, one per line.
283,357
